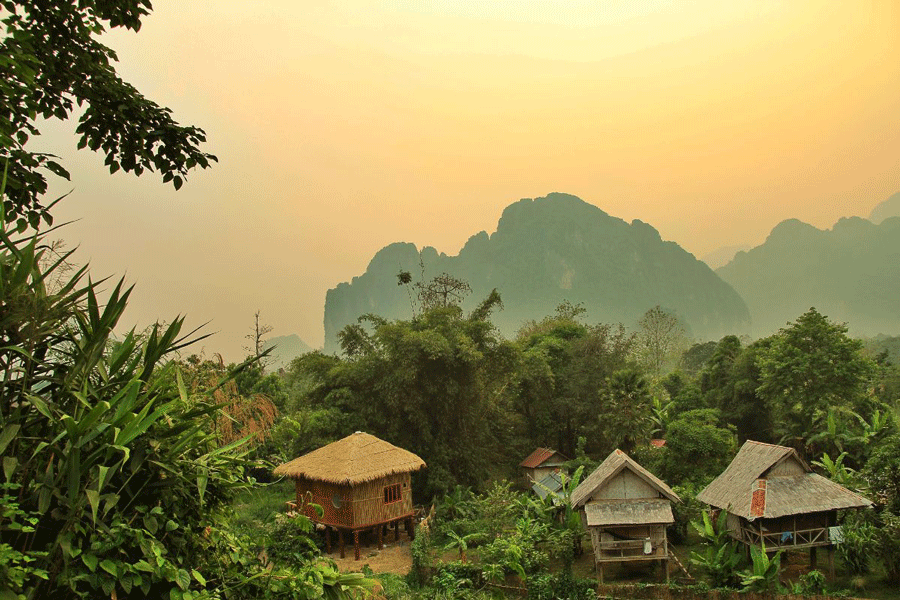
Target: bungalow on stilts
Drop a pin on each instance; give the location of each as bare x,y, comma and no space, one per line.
361,482
626,509
775,501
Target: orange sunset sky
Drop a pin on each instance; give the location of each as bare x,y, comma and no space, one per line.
344,126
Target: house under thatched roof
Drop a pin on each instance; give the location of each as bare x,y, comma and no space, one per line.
360,482
357,458
768,481
774,500
626,510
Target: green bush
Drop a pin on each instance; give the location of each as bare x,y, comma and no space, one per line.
560,587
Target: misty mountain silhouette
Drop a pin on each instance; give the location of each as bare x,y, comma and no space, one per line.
851,273
547,250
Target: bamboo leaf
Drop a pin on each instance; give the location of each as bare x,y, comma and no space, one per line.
94,500
7,435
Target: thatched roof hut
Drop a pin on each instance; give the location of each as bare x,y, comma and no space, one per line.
768,481
773,499
626,510
361,482
357,458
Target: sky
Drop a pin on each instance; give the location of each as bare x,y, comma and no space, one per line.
344,126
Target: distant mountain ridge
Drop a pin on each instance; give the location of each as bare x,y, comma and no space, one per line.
544,251
851,273
287,348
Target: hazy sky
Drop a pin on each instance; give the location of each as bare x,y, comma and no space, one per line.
344,126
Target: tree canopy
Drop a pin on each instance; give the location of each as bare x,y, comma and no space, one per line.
52,66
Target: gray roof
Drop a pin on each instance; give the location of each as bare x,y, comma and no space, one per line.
609,468
745,487
551,484
629,512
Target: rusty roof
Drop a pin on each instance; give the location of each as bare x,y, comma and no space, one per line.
541,456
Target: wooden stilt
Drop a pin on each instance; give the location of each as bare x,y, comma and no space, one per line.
409,529
667,571
356,545
812,558
327,540
396,530
601,573
380,537
341,541
831,562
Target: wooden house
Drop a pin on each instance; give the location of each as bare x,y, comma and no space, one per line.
626,510
773,499
361,483
541,463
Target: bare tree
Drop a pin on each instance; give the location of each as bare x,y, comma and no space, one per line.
258,342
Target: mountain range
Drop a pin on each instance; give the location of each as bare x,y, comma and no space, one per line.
546,251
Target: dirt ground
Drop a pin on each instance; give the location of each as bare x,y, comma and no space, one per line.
394,558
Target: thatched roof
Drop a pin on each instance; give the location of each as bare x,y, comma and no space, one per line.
747,488
543,457
609,468
651,511
357,458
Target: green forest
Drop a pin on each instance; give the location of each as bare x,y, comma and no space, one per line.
134,467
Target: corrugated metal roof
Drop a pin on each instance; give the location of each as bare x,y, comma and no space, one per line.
609,468
653,511
541,456
551,484
737,490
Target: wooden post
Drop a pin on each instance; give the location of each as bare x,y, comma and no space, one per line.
409,528
341,541
831,562
356,545
667,571
327,540
601,573
380,537
812,558
396,530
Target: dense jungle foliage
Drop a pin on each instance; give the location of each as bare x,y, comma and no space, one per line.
122,454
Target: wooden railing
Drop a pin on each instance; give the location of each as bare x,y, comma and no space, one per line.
774,540
618,550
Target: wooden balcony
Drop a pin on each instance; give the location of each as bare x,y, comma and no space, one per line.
786,540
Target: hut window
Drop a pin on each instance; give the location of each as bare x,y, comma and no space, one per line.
337,501
392,493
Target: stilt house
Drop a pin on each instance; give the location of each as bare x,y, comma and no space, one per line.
626,509
773,498
540,463
361,483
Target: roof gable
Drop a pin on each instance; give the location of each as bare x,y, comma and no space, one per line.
357,458
612,466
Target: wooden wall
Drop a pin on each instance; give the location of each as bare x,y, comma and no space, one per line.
626,485
360,505
789,467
